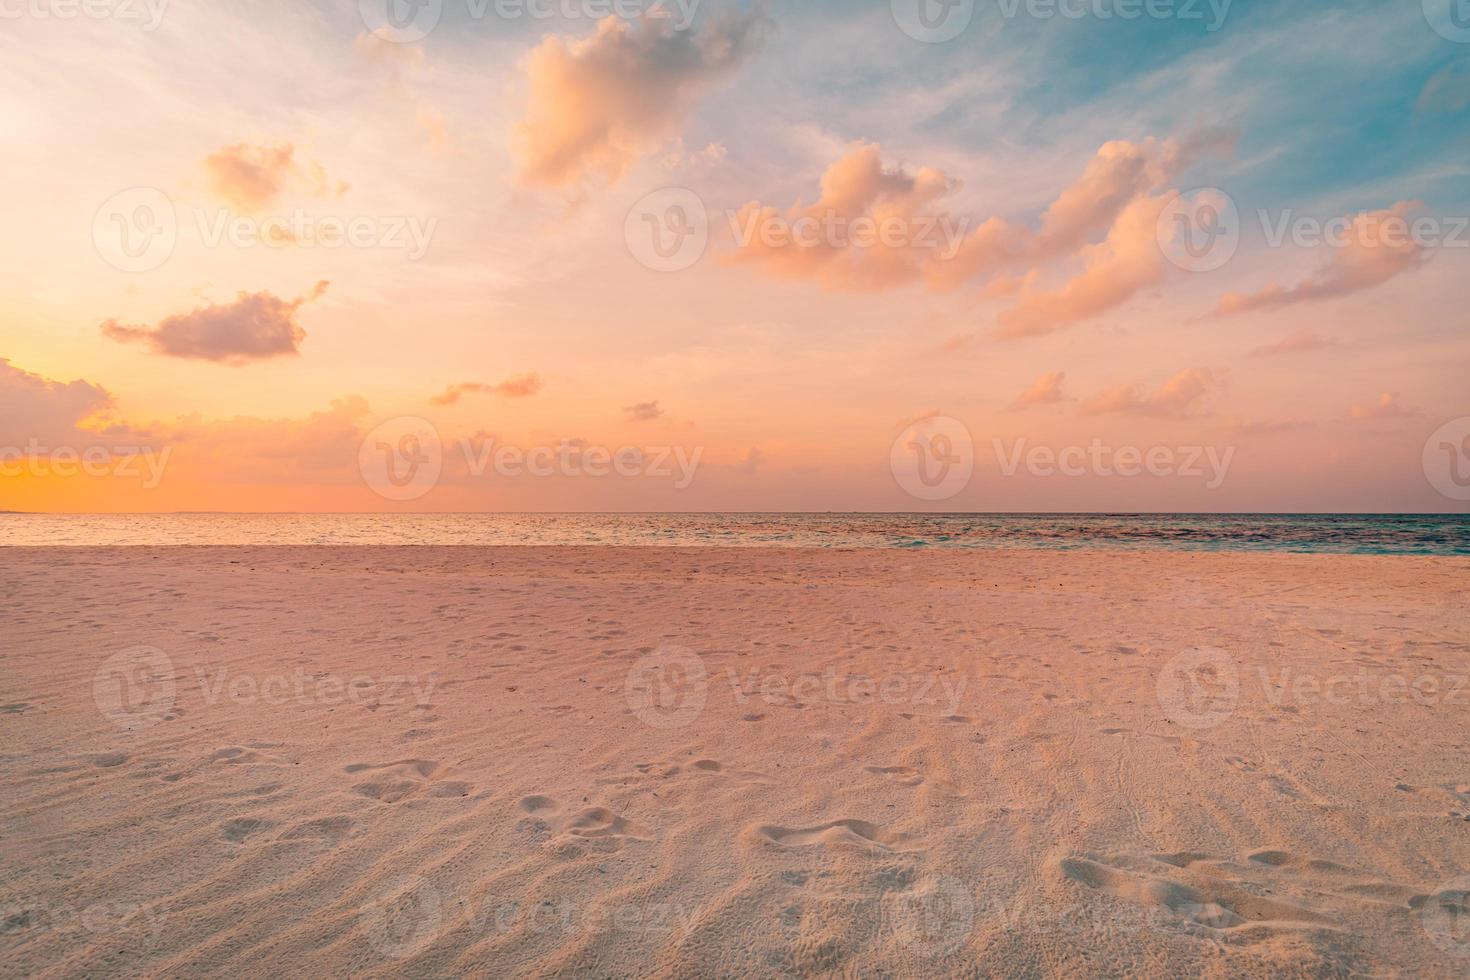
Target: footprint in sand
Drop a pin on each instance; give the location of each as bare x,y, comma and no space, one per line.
838,833
699,767
1316,874
240,828
593,823
540,806
1453,794
1212,902
393,782
331,829
1284,859
1336,878
1166,739
599,821
903,775
1183,859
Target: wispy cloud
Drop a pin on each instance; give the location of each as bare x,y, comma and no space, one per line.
1297,343
520,386
1388,406
1047,390
643,412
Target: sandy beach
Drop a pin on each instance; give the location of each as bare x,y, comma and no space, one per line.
615,762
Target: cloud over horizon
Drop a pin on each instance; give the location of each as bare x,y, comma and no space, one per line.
50,412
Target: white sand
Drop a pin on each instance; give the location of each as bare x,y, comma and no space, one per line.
901,764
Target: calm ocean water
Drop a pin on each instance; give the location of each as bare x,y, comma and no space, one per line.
1371,534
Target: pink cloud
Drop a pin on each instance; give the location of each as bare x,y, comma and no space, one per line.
1119,195
53,413
599,104
1179,397
751,462
1387,407
1378,247
1266,427
520,386
252,178
643,412
255,327
1120,172
1126,261
1297,343
1047,390
322,447
872,227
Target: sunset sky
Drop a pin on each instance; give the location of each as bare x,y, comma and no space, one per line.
496,173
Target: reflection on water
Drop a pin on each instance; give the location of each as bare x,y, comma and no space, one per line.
1392,534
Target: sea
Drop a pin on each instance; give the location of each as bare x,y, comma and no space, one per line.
1385,534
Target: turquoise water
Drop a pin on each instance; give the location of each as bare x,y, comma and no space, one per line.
1363,534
